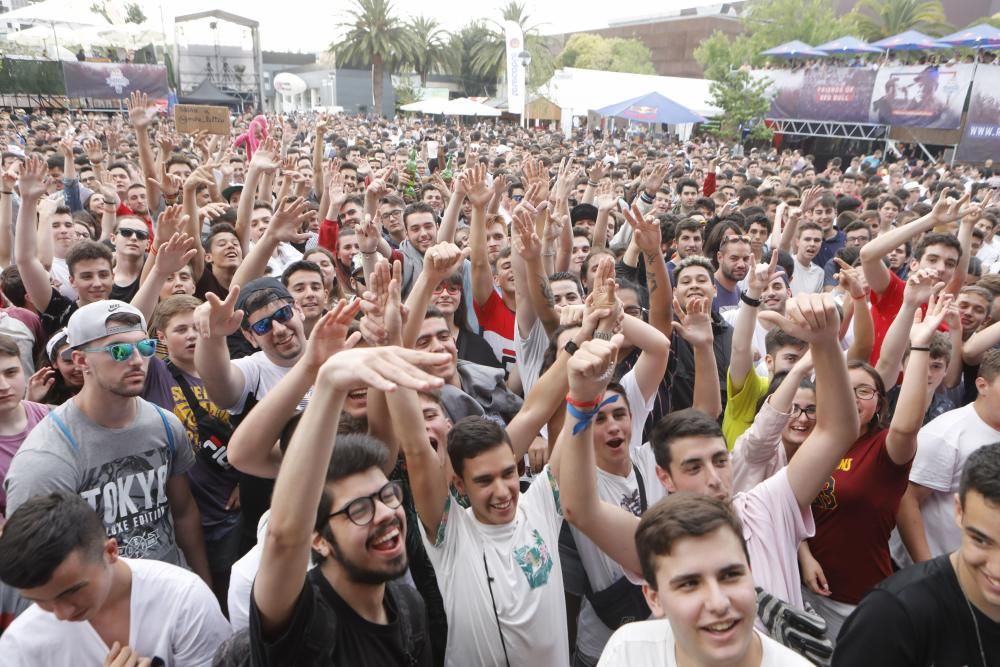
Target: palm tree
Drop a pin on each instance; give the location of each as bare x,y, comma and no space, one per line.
877,19
489,56
427,47
375,38
461,45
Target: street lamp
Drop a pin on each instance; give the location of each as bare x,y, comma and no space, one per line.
525,58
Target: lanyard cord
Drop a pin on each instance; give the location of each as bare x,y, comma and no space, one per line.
496,614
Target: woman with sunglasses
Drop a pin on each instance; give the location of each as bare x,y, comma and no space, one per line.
856,510
447,298
131,239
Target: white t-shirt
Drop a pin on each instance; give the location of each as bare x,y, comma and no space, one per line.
530,351
602,571
651,644
943,445
260,375
522,558
807,279
173,616
60,275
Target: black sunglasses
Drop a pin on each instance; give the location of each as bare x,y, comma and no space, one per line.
265,324
129,233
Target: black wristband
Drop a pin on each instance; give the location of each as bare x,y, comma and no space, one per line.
571,347
749,300
917,348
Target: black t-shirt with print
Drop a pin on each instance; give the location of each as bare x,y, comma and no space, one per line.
918,617
325,631
57,313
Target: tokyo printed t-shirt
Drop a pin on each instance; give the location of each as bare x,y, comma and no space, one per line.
122,473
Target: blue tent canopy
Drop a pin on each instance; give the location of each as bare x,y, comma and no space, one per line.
793,49
848,45
652,108
911,40
980,36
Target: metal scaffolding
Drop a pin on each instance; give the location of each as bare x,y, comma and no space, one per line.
830,129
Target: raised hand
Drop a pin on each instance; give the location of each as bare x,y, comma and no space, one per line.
760,276
525,241
288,220
920,285
94,150
140,111
604,198
125,656
171,222
924,325
646,231
473,181
331,334
368,233
811,197
695,324
591,368
265,158
851,279
175,254
813,318
596,171
382,368
949,209
8,179
40,382
217,318
443,259
34,181
654,181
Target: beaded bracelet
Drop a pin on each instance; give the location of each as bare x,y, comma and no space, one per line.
585,416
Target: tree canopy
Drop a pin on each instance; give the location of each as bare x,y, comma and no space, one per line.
589,51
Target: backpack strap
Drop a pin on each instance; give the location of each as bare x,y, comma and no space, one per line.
642,488
412,619
196,407
61,425
166,427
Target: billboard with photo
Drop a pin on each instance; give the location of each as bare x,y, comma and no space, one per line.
114,80
827,93
981,138
921,96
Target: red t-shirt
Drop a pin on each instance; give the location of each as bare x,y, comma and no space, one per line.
885,308
855,513
496,324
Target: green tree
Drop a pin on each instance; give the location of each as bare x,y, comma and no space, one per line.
588,51
767,23
877,19
743,103
427,47
375,37
459,59
134,13
489,55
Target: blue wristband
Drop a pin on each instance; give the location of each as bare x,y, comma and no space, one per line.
586,417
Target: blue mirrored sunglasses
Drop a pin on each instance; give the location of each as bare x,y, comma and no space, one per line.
264,324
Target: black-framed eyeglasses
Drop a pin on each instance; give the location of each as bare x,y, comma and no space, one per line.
809,411
361,511
128,233
865,392
264,324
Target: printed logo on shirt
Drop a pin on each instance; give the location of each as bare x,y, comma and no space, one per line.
535,561
827,498
130,496
845,465
632,503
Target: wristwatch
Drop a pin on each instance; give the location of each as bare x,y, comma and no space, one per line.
571,347
749,300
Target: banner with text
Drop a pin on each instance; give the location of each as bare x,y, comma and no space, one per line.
981,138
514,38
921,96
114,80
917,96
835,93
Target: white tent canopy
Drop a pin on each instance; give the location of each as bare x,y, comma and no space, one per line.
46,36
581,90
463,106
55,12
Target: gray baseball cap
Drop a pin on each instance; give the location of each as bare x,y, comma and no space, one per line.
90,322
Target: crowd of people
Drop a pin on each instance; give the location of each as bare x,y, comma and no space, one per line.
343,390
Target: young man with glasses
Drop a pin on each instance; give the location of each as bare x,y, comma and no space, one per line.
125,456
349,609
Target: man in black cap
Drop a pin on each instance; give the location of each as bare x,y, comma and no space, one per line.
265,312
584,215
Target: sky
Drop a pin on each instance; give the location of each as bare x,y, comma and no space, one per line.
310,25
